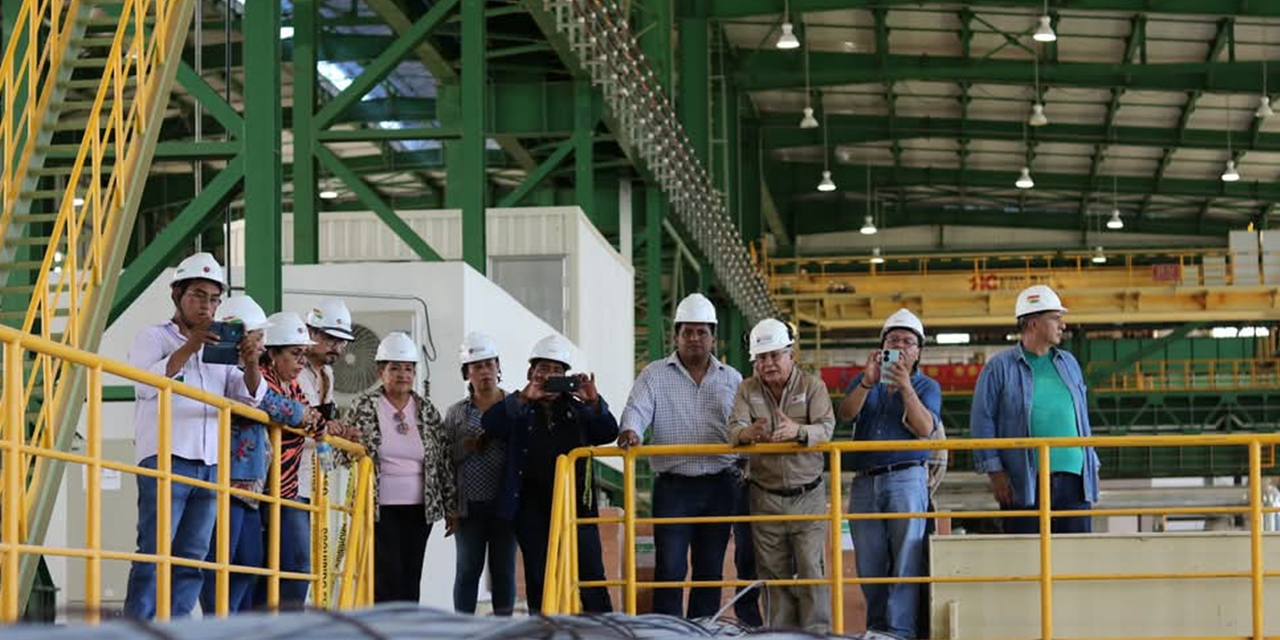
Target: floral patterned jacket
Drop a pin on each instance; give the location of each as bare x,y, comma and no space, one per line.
439,495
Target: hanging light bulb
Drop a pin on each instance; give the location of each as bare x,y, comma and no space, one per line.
827,184
1038,119
868,226
1098,256
1044,32
328,194
1024,179
876,258
788,39
1264,108
808,121
1231,174
1116,222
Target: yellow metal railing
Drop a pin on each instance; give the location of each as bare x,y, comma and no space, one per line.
73,280
352,567
562,583
1190,375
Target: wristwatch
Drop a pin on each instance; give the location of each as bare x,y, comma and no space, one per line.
800,437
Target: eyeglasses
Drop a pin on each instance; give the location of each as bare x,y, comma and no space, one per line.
905,343
201,297
402,427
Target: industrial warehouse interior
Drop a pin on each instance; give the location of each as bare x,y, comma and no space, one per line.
246,251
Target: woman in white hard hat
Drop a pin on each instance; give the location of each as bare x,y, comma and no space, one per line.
403,434
892,400
173,349
479,472
250,451
287,341
538,424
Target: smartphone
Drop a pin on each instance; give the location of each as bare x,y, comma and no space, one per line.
560,384
227,349
328,410
888,359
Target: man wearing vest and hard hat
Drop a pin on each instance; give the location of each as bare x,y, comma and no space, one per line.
687,397
174,349
781,403
1036,389
892,400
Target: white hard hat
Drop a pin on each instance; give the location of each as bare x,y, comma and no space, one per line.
696,308
397,347
553,347
475,347
201,266
332,317
286,330
1037,298
903,319
769,335
244,310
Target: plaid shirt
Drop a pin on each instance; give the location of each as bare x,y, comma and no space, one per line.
479,475
683,412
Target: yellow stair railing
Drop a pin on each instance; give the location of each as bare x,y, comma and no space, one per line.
350,570
64,225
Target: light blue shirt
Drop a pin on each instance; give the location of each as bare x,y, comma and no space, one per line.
1002,409
683,412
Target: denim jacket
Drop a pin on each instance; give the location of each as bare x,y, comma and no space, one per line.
250,447
1002,409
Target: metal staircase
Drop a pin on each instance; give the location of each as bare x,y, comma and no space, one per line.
84,85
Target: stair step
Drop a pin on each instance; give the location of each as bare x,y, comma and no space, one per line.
21,265
78,124
84,63
42,172
30,218
41,194
93,41
112,22
32,241
57,313
18,290
85,105
93,83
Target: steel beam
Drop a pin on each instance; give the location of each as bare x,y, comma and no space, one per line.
538,175
693,87
262,156
375,203
208,98
467,179
727,9
585,118
655,207
768,69
306,205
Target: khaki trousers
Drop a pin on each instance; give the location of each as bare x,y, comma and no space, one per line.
793,550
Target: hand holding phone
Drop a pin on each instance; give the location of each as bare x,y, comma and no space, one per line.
889,359
226,349
561,384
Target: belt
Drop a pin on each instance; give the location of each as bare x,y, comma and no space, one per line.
792,492
667,475
897,466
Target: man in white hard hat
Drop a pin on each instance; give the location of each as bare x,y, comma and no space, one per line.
329,325
892,400
537,425
687,397
1036,389
781,403
173,349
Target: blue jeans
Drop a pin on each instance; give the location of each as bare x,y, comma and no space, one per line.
1066,493
193,514
891,548
295,553
533,532
676,496
245,531
747,607
477,533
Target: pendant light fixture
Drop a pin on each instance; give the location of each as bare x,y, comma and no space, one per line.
876,257
1044,32
1098,256
827,184
869,222
788,39
808,121
1024,179
1264,103
1038,118
1231,174
1115,223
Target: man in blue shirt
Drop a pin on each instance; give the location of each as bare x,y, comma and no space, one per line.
1036,390
687,397
892,402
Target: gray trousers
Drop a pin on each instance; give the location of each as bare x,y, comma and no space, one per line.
793,550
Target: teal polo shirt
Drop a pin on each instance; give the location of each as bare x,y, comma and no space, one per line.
1053,414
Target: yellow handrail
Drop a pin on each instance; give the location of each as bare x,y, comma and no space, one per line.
561,594
356,569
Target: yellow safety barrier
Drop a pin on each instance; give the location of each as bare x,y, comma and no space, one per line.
562,586
356,570
1221,374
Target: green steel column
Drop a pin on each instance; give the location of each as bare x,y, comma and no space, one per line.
655,27
467,181
306,211
694,83
732,337
654,206
584,124
751,181
263,170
